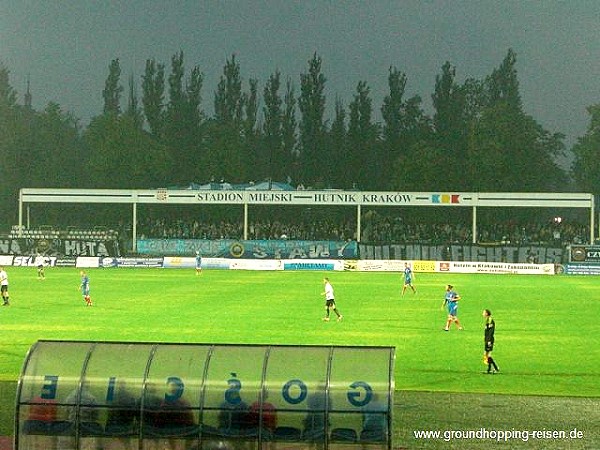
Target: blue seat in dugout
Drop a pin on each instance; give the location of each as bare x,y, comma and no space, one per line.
372,436
58,427
234,419
284,433
87,429
119,430
344,435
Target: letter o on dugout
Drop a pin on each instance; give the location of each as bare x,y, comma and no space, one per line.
79,395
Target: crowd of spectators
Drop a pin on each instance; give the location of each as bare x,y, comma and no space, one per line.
387,229
374,229
317,229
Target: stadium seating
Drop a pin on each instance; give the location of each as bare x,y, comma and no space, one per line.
48,232
287,434
343,435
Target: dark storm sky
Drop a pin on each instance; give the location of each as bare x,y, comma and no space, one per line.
65,47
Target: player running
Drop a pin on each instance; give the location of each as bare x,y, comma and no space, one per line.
451,302
39,263
85,287
330,301
408,279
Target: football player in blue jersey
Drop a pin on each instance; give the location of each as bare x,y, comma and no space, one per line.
451,303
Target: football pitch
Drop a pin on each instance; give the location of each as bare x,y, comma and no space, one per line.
546,335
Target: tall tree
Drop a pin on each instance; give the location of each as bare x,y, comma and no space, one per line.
449,116
8,96
194,122
153,96
586,164
250,132
229,99
503,83
113,89
364,166
404,125
272,129
312,126
182,121
225,152
508,149
133,107
337,174
55,152
12,130
289,134
392,111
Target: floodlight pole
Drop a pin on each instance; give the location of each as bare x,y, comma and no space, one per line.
592,212
20,213
245,221
358,222
474,225
134,227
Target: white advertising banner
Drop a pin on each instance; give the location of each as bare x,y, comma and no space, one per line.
255,264
499,268
88,261
454,267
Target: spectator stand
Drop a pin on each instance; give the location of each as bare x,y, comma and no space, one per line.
245,199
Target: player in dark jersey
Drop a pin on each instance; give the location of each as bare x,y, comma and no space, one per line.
488,342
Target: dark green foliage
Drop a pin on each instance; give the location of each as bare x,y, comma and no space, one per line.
274,164
113,89
478,133
363,146
312,124
586,166
153,97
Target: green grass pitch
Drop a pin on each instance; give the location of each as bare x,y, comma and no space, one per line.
546,326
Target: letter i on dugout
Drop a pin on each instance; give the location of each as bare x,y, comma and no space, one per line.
115,395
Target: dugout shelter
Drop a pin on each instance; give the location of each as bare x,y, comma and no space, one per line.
114,395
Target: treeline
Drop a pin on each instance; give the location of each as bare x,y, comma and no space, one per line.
155,132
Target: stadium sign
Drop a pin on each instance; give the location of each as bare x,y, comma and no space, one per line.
584,254
305,197
582,269
250,249
464,252
59,247
34,261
